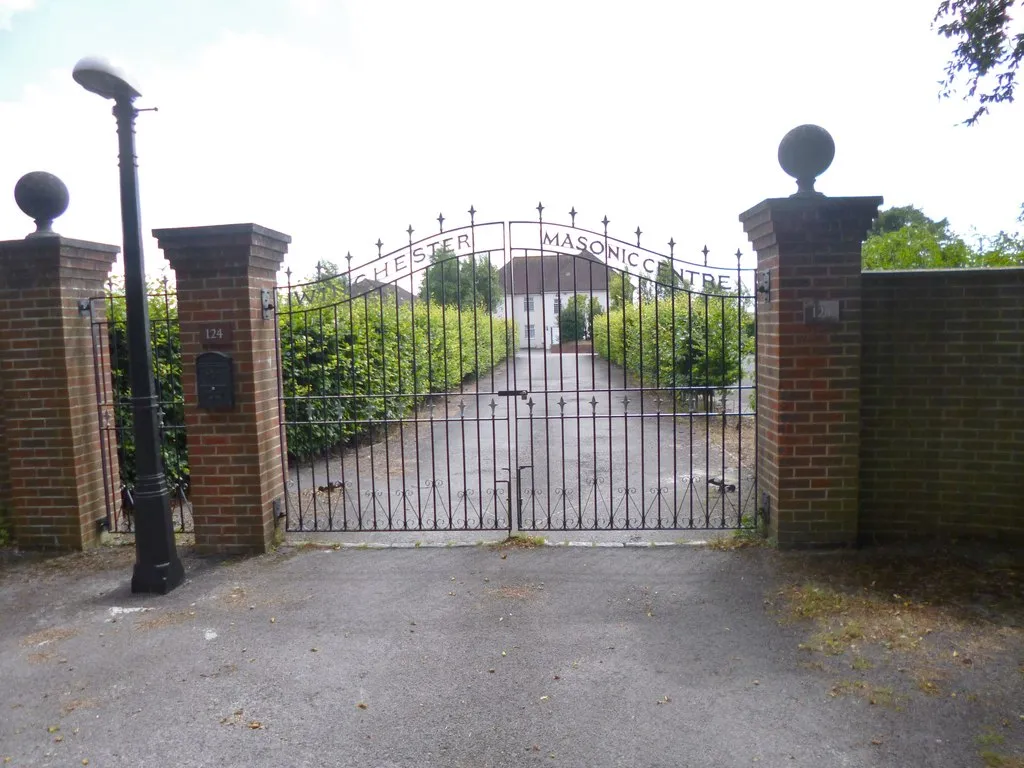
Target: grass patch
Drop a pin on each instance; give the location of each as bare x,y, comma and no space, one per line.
995,760
748,535
990,738
875,695
861,664
519,541
898,599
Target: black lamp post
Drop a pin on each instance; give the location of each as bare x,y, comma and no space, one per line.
157,567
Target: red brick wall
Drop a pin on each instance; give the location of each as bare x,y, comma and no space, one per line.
808,391
234,455
51,429
942,435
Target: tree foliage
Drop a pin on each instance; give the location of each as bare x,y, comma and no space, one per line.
898,217
465,283
165,342
620,289
691,341
576,319
667,279
349,363
986,53
904,238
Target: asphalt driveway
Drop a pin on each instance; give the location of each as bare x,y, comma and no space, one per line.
589,451
466,656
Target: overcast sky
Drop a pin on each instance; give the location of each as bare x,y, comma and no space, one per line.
343,122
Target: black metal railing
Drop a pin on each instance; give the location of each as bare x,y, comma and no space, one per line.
110,354
617,393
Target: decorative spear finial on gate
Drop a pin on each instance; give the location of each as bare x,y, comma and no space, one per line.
671,247
605,222
472,215
805,153
638,233
572,215
379,245
440,222
540,210
705,251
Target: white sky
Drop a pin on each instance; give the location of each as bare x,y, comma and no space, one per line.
341,122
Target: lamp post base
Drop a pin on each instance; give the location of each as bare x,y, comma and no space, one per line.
157,578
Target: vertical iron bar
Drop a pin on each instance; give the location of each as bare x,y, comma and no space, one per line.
281,416
707,405
445,385
725,406
689,393
544,351
386,402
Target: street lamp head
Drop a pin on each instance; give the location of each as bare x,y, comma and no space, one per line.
101,77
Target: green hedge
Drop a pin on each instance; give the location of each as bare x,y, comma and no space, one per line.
341,358
686,340
165,342
331,349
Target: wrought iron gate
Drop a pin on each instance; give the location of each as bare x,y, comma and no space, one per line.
108,327
519,375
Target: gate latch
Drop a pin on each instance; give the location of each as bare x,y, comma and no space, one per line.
513,393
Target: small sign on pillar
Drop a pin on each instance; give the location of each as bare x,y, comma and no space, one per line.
820,311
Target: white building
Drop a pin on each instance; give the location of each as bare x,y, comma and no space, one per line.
537,287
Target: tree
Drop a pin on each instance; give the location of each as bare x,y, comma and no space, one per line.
913,247
668,279
904,238
481,283
986,53
450,281
895,219
441,280
576,319
620,289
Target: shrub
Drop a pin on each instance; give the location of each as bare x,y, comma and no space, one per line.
686,339
350,363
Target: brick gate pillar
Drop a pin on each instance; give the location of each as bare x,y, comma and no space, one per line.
808,349
55,493
234,450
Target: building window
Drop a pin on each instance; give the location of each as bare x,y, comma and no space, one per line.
531,332
558,305
528,303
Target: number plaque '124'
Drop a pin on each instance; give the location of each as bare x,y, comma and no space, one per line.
216,334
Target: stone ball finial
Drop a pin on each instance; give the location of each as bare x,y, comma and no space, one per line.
805,153
43,197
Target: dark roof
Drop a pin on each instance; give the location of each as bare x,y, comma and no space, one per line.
384,290
547,274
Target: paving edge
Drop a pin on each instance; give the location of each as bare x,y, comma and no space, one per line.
334,547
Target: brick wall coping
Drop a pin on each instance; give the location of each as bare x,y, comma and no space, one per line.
221,234
39,243
805,203
968,273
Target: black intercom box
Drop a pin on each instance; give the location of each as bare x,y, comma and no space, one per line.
215,381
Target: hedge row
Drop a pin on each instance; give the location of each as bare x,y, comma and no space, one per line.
686,340
165,343
352,363
345,363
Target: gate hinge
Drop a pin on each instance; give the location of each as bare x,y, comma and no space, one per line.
764,284
513,393
266,303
